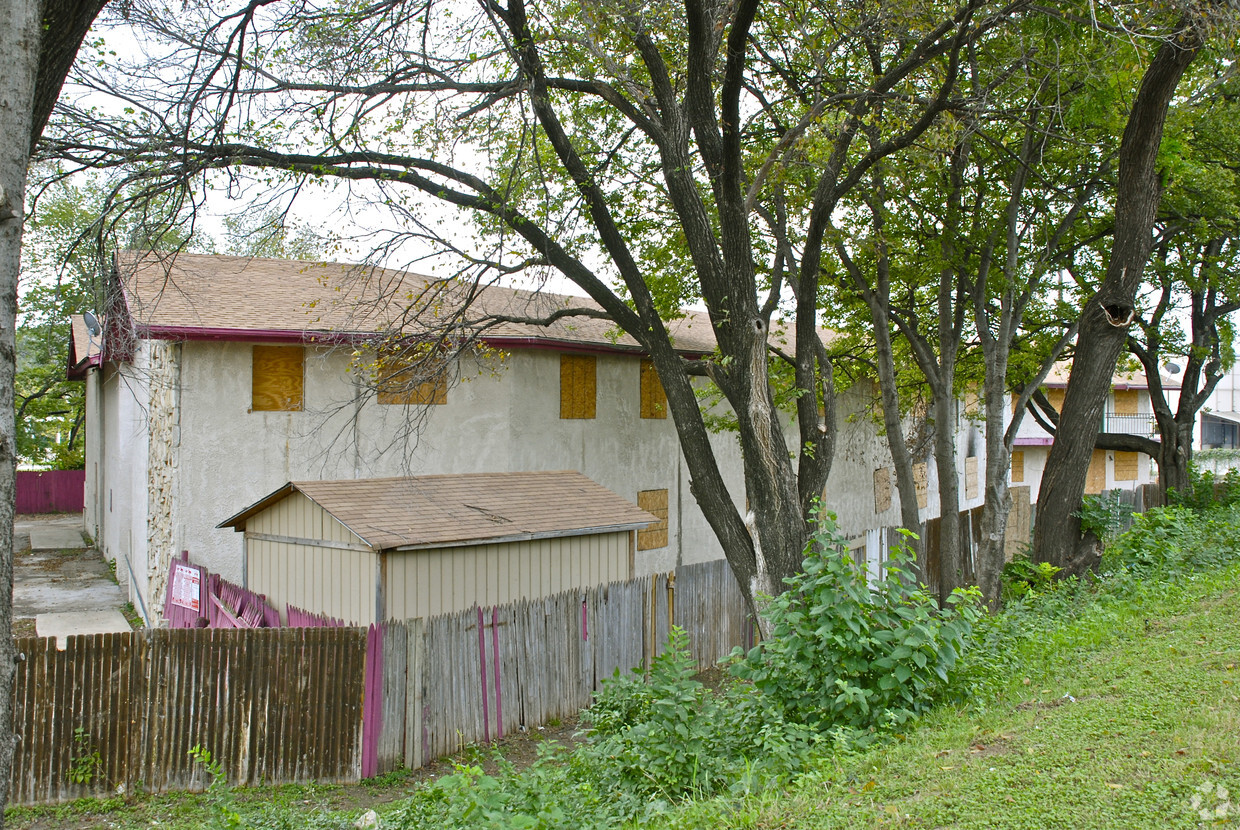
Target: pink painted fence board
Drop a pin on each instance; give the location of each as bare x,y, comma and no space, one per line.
51,491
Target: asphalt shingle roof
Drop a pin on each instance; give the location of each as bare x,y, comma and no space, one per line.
170,295
444,510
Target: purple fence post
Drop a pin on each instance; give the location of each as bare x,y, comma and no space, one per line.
482,662
372,710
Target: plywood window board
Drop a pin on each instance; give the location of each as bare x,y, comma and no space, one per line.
397,387
578,386
1018,466
1126,402
1055,396
970,477
655,535
882,489
921,481
653,398
1126,465
1096,477
277,379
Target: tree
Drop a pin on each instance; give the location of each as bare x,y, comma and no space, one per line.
1107,316
653,155
963,230
37,46
59,265
1195,267
1196,277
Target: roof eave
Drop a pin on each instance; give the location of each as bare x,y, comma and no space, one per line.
521,537
237,522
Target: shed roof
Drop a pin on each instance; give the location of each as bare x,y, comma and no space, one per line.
452,510
210,296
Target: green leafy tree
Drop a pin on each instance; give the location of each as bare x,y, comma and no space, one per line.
652,155
58,280
1177,35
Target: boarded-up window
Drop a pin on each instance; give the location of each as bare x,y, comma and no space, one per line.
970,477
1096,478
921,481
882,489
1055,396
1018,466
654,401
1126,402
1019,524
277,379
398,383
654,536
577,385
1126,466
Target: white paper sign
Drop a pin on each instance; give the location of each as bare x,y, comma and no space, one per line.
186,587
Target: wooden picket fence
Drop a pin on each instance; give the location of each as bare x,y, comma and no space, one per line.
285,705
124,710
477,675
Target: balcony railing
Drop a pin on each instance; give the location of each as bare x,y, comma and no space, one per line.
1143,424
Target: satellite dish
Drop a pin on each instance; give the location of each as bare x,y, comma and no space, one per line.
1173,368
92,324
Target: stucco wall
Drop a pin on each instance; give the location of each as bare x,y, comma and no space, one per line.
121,504
91,518
212,456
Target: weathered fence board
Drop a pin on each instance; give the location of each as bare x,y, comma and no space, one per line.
125,709
327,703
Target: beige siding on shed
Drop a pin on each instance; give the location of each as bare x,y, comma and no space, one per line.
427,582
330,580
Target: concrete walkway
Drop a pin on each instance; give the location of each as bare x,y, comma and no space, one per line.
61,587
54,537
67,623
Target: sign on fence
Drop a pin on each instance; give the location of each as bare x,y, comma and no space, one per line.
280,705
186,587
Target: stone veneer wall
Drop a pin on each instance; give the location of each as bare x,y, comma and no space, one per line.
162,412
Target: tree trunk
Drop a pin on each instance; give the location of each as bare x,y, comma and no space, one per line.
951,562
1174,454
19,60
998,498
1107,316
901,459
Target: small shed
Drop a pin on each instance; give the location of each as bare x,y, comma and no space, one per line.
366,550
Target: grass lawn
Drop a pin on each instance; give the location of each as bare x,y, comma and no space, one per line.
1129,717
1133,720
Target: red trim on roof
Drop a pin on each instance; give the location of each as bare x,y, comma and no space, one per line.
249,335
77,371
284,336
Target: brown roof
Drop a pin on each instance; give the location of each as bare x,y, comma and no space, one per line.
228,297
1135,379
84,346
450,510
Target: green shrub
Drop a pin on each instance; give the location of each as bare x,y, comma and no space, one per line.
851,661
1023,578
657,741
541,797
1206,491
1169,541
1104,515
